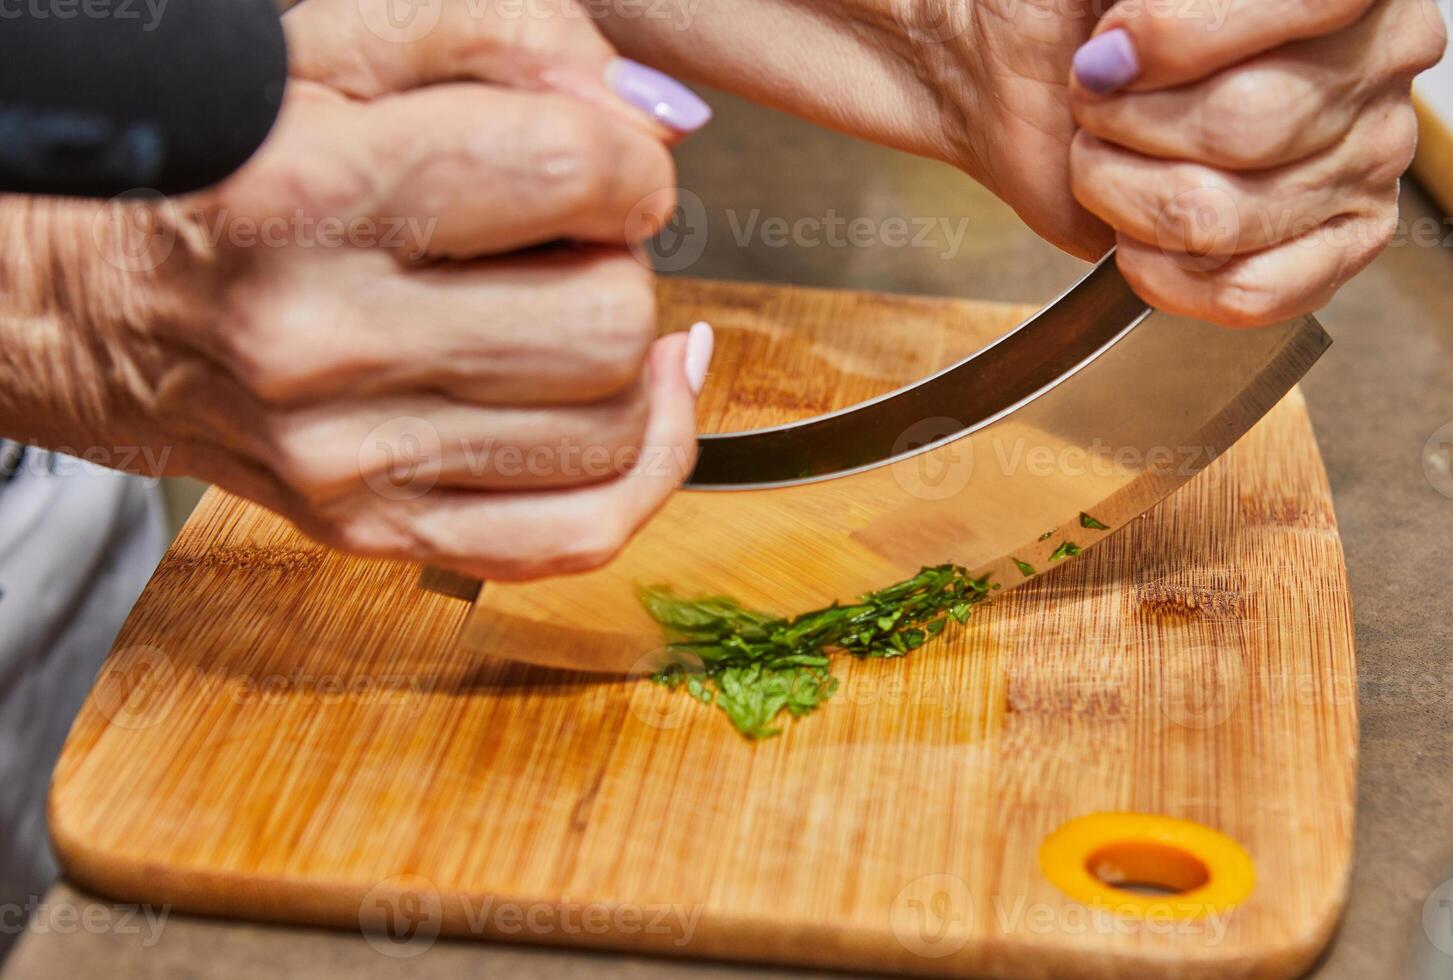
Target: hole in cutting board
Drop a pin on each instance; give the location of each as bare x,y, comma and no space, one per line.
1147,868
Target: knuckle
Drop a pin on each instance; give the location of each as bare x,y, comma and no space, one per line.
623,317
282,179
1398,143
598,536
1199,213
569,155
1240,302
1243,122
621,423
1384,225
275,348
653,210
1167,38
581,542
1432,40
303,464
1416,41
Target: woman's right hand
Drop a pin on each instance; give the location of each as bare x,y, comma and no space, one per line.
347,330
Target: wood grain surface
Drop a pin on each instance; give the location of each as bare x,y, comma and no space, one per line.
283,732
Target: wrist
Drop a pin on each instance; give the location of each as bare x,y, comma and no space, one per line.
69,380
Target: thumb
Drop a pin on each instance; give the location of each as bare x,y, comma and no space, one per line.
1141,45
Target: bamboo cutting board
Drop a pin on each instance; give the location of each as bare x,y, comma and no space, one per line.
283,732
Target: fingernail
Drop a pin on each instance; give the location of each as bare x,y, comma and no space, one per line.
700,342
660,95
1106,63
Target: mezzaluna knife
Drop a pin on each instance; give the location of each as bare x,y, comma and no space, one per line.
1095,408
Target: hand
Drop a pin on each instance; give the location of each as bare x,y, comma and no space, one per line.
345,332
1245,153
1285,123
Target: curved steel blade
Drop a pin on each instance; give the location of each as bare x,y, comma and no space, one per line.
1096,406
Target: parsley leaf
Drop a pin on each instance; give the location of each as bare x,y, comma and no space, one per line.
755,666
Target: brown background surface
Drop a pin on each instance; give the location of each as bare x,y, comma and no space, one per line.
1376,399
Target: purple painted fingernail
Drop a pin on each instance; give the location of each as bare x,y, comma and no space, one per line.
660,95
1106,63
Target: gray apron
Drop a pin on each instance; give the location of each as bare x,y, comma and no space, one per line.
77,544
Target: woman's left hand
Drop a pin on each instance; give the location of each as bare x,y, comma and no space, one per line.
1247,152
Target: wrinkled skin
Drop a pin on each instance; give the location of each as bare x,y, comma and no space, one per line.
1249,171
347,331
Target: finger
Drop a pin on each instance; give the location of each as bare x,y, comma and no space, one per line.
1278,107
557,327
236,473
491,171
327,450
1192,208
515,536
1149,44
1260,288
449,171
368,48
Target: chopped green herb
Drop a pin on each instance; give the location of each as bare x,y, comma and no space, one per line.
755,666
1067,549
1087,521
1025,569
1046,535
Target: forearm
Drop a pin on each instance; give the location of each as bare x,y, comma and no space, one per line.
870,68
64,382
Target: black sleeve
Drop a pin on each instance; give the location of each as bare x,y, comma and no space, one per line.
100,97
